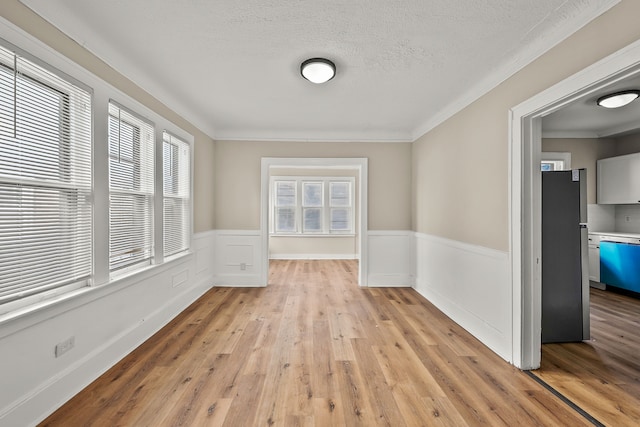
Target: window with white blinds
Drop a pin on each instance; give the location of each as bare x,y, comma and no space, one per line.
285,204
312,206
131,189
176,159
45,182
340,206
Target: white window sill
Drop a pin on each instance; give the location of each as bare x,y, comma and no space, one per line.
40,311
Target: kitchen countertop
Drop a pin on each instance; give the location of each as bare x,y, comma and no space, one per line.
616,234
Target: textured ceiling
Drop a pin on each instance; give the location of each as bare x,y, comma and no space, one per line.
232,67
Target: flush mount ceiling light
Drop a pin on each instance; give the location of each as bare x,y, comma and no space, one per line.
318,70
618,99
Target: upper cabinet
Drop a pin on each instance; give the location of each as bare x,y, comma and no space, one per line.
619,180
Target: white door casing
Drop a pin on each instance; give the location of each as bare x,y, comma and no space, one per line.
525,191
358,163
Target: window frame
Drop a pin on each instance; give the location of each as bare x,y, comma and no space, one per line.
71,192
164,196
325,207
137,181
100,281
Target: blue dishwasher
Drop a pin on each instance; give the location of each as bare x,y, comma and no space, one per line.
620,265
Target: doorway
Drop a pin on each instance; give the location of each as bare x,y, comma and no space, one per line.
525,191
360,168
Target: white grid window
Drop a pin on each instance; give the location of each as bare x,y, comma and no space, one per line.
318,206
312,204
45,183
285,206
176,159
131,189
340,206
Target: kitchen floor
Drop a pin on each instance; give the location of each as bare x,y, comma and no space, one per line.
602,375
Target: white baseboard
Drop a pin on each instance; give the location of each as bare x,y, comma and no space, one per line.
314,256
239,281
41,383
55,391
471,285
391,280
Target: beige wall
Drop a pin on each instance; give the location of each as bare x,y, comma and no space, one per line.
584,154
237,174
460,168
628,144
23,17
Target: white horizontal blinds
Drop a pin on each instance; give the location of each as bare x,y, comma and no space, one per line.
285,206
176,159
340,206
312,203
45,181
131,188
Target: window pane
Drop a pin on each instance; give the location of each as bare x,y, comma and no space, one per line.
45,183
285,219
312,220
177,194
312,194
285,193
131,230
131,188
340,194
340,219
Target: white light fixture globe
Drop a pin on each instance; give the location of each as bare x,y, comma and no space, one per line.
318,70
618,99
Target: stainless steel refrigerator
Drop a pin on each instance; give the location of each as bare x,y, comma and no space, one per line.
565,262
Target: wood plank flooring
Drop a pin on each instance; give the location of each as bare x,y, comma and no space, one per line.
602,375
313,349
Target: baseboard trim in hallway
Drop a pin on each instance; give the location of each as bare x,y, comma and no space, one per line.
562,397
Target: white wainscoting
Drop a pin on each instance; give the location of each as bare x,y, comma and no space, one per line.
238,258
391,258
471,285
107,323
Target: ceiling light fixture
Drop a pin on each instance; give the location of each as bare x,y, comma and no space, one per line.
618,99
318,70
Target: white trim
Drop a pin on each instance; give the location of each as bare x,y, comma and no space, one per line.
564,157
271,135
325,207
525,56
360,164
570,135
391,258
470,284
525,196
314,256
39,403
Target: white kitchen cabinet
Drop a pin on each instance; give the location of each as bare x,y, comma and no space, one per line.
594,261
619,180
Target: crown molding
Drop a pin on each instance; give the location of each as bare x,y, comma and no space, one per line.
526,56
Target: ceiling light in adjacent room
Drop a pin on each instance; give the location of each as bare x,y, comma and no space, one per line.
318,70
618,99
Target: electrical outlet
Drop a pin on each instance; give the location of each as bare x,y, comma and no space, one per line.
243,266
64,346
627,218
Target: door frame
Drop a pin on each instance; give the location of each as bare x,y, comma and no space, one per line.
525,231
358,163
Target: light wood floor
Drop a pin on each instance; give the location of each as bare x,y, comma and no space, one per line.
602,375
313,349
